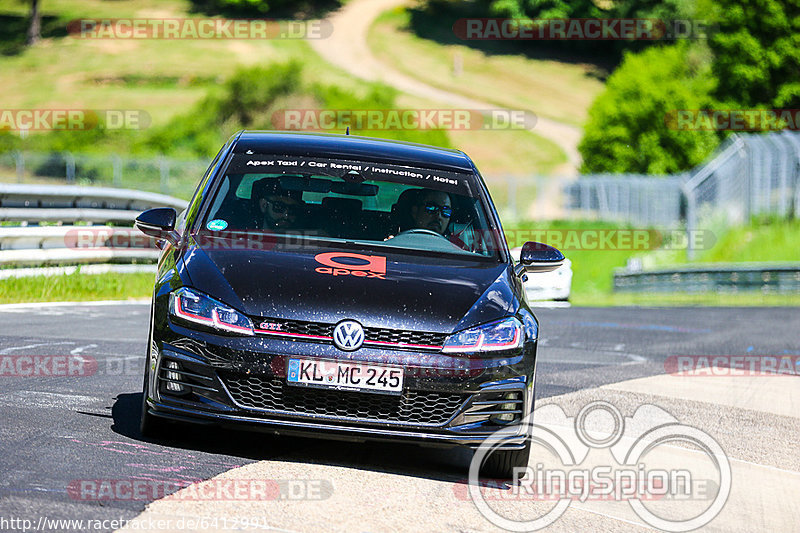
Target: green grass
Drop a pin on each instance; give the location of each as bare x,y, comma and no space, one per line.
710,299
759,241
554,89
772,241
76,287
593,270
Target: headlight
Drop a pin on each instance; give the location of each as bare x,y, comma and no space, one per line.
504,334
201,309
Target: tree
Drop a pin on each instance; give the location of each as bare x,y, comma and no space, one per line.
627,129
35,28
757,53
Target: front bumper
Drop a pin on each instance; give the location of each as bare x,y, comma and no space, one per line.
448,400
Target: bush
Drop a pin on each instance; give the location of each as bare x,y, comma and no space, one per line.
626,131
255,8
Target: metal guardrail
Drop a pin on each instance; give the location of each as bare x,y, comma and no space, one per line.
31,244
99,216
718,277
61,196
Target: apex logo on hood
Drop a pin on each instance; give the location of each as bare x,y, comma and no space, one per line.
373,266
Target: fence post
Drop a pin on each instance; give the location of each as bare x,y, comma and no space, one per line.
585,200
19,163
70,164
512,195
784,197
116,164
163,166
691,220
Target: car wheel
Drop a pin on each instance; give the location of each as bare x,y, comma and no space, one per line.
149,425
500,464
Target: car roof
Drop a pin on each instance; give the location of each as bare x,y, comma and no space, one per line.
353,147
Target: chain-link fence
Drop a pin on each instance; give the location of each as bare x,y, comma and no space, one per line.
156,174
647,201
749,175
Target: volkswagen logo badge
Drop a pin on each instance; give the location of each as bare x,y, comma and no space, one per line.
348,335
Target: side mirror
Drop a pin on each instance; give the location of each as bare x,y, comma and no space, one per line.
159,223
538,257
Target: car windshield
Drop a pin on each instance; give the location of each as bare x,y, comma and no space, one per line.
366,204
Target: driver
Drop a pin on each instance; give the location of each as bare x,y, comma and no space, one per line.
276,207
432,211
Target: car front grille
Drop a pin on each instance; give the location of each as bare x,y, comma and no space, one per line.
273,394
397,336
321,331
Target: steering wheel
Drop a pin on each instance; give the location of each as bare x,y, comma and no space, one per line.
421,231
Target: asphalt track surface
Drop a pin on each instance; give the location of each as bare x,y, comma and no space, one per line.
58,430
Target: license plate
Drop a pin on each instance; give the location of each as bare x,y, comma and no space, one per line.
345,376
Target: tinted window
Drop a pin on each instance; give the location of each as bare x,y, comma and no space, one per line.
362,203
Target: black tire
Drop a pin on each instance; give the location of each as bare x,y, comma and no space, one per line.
500,464
151,426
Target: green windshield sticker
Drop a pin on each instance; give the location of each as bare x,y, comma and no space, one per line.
217,224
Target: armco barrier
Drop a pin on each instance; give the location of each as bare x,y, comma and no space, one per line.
31,244
765,277
18,196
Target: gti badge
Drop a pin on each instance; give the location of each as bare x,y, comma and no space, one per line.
348,335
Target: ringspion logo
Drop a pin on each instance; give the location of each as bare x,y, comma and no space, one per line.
600,454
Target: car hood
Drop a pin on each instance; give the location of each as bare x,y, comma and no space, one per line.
390,290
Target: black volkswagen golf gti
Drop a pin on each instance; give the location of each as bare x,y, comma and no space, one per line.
333,285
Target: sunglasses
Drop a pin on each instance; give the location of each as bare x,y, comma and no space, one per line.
443,210
282,207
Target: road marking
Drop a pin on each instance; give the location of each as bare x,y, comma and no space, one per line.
779,395
40,399
38,345
79,349
550,305
635,359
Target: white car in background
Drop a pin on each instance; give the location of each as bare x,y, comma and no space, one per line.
555,285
